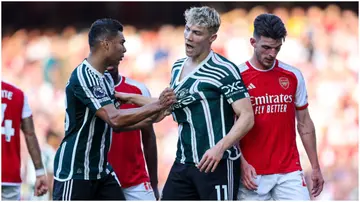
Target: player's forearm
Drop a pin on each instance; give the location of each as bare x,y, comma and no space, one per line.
142,124
27,126
136,99
241,127
150,152
127,117
141,100
34,150
308,138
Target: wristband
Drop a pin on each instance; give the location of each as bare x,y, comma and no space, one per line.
40,172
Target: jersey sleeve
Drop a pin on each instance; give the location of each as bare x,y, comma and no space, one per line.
26,111
233,87
141,86
90,92
145,91
301,97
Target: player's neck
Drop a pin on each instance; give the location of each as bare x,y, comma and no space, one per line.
116,79
96,63
254,62
198,59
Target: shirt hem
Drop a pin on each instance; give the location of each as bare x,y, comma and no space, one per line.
279,171
127,185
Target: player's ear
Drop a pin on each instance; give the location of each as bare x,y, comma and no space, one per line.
253,41
105,44
213,38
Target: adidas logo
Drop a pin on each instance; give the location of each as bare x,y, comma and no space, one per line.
251,86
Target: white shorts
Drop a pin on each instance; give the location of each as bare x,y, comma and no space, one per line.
289,186
10,193
140,192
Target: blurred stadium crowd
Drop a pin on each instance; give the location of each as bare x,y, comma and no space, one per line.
322,43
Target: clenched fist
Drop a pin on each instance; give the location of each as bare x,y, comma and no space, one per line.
167,98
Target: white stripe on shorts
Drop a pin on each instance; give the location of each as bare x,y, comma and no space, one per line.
230,175
67,190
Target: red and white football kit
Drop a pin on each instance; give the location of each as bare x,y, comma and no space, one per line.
270,146
126,154
15,107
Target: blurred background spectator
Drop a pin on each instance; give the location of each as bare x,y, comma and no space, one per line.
40,50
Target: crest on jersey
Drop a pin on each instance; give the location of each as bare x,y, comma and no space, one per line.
284,82
182,93
98,92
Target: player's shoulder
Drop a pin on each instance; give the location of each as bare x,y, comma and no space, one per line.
289,68
11,87
222,64
139,85
243,67
84,74
76,74
178,63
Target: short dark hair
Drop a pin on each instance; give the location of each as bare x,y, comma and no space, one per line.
269,25
103,28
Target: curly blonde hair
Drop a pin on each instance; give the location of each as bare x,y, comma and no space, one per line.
203,16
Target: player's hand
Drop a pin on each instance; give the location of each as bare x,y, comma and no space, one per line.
211,159
125,98
248,175
41,185
318,182
167,98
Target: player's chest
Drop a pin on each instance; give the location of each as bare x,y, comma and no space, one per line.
270,84
193,91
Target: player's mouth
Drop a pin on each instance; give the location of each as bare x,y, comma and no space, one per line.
189,47
269,60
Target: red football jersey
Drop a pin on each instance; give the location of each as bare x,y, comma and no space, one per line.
276,94
14,107
126,154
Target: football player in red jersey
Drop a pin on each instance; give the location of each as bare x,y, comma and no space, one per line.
16,115
270,164
126,154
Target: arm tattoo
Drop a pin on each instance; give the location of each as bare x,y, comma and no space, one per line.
306,129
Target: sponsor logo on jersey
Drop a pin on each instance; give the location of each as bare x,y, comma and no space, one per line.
231,89
183,102
251,86
79,171
271,103
271,99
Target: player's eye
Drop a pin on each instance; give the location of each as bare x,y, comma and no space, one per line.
197,33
